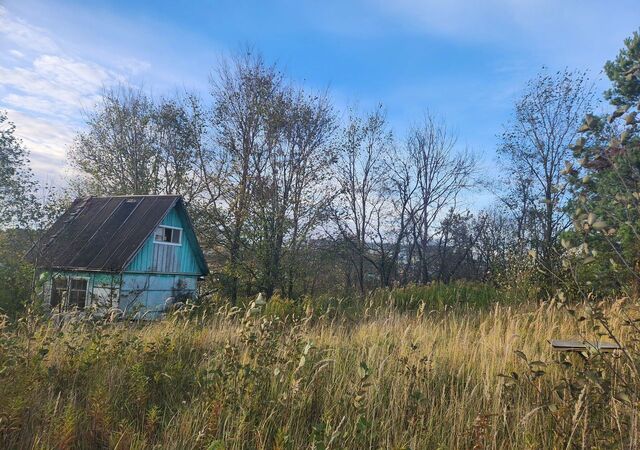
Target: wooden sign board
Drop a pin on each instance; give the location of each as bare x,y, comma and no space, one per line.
581,346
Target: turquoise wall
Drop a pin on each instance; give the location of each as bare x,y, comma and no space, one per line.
150,260
147,284
148,294
102,288
137,295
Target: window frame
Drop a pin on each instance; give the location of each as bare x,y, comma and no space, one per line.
65,299
168,227
87,300
64,293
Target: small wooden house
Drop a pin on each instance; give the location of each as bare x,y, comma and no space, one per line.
138,254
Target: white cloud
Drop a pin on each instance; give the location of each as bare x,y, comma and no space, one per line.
47,139
60,84
132,66
463,19
32,103
25,36
45,89
16,53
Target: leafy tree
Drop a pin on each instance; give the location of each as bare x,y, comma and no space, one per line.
264,174
133,145
247,97
17,184
605,183
16,274
21,213
458,244
293,195
623,74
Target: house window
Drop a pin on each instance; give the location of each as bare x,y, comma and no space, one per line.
168,235
77,292
58,291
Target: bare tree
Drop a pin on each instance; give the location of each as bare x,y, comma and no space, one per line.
441,174
535,147
361,178
393,215
494,243
523,205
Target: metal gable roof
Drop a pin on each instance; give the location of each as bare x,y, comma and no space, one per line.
101,233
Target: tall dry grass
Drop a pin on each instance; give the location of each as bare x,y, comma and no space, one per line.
232,379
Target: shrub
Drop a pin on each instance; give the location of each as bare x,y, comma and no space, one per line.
278,306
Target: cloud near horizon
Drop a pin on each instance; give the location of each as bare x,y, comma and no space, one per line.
45,89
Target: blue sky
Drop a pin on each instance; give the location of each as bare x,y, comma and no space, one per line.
465,61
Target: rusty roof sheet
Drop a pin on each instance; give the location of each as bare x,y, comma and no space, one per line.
101,233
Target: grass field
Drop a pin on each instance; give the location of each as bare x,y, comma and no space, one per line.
380,376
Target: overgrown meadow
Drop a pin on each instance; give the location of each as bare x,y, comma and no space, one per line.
419,367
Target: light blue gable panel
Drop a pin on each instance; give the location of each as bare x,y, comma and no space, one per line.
173,219
161,258
184,256
142,262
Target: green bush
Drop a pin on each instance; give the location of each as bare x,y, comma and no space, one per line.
436,296
278,306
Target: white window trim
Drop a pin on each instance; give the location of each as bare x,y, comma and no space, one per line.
175,244
87,297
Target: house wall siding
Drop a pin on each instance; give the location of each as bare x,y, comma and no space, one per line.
150,294
162,258
102,288
160,272
136,295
